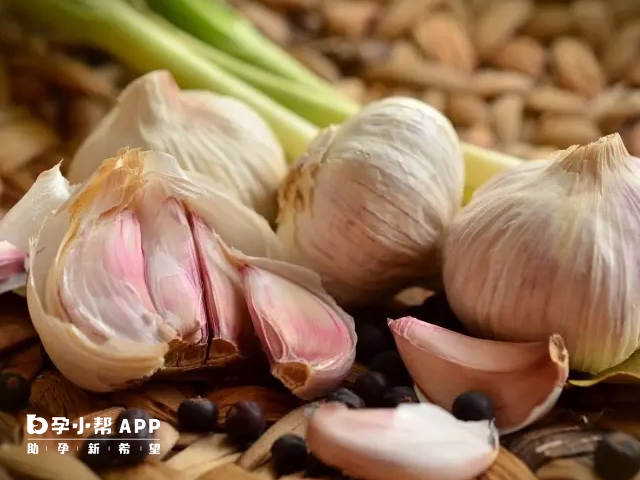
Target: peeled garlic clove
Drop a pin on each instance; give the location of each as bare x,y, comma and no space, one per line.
309,340
367,205
219,137
410,442
551,246
524,380
124,281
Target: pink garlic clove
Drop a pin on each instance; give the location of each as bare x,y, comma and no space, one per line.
410,442
172,264
101,287
231,332
308,339
524,380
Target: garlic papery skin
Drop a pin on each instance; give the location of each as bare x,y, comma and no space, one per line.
127,277
524,380
219,137
367,205
411,442
309,340
552,247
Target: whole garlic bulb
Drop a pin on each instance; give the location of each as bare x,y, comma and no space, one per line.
367,205
217,136
553,246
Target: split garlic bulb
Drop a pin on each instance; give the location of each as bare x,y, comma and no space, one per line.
367,205
146,268
552,246
217,136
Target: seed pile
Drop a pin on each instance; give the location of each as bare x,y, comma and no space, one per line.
521,76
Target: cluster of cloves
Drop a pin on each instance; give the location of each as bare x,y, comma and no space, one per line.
147,267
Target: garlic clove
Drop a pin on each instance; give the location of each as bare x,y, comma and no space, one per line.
308,339
410,442
524,380
172,264
219,137
98,283
101,367
367,205
230,324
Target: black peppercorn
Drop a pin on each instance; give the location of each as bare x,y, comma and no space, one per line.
132,446
97,452
617,457
15,391
347,397
371,386
398,395
245,423
289,454
317,469
472,406
371,341
391,365
198,415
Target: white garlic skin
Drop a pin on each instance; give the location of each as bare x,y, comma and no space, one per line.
367,205
541,250
217,136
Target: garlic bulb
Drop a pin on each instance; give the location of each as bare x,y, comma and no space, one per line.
367,205
217,136
552,247
130,275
